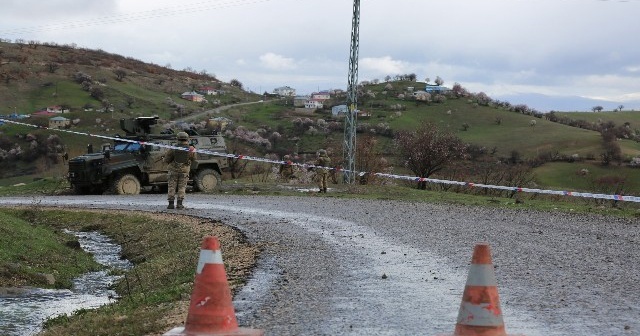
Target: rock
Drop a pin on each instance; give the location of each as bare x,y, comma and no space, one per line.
13,291
49,279
74,244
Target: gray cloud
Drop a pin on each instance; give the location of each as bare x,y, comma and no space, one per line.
495,46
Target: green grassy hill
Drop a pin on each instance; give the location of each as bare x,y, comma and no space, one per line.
617,117
36,77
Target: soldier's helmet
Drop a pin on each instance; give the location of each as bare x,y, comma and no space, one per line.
182,136
322,152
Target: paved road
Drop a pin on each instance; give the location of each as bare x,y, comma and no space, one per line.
321,272
209,113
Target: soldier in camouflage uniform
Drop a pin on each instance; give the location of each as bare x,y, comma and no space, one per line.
322,173
286,169
179,165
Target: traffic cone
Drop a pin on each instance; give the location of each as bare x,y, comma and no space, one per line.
211,311
480,313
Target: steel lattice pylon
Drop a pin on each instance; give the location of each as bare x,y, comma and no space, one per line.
349,147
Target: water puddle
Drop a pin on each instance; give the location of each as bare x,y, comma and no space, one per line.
22,314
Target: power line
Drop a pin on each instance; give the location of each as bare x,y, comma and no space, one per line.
351,118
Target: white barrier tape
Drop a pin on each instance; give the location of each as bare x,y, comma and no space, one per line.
392,176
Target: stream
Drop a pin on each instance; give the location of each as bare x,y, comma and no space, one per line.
23,313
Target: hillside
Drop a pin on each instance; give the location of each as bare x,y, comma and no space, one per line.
37,76
88,81
98,89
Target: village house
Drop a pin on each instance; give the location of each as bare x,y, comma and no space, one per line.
339,109
322,95
299,101
285,91
56,109
313,104
436,89
59,122
207,91
363,114
192,96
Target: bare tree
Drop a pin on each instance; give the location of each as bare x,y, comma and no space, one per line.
370,159
597,108
439,81
482,99
96,93
120,74
428,150
236,83
130,101
459,91
53,66
620,107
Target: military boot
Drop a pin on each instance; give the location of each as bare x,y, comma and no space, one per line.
180,206
170,206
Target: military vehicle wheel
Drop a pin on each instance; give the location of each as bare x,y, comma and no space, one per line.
206,180
126,184
78,190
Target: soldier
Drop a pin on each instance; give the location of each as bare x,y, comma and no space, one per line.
323,161
286,170
179,165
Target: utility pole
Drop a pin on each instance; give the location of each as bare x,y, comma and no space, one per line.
349,148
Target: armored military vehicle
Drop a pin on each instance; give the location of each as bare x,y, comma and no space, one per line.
125,167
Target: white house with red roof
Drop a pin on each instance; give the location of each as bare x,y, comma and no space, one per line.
56,109
192,96
322,95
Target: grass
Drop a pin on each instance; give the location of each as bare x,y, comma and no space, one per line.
566,176
619,118
30,250
33,186
514,132
164,251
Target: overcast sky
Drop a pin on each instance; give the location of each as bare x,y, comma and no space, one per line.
585,48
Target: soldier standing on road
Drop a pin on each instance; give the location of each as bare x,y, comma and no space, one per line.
286,169
179,165
323,161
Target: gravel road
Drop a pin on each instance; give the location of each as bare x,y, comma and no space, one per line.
373,267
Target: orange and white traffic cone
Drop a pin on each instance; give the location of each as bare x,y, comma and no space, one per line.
480,313
211,311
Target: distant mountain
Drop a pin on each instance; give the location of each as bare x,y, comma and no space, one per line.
545,103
